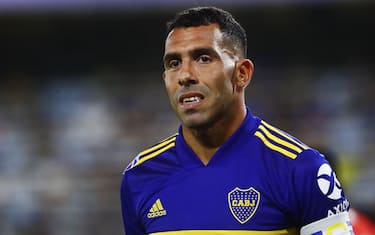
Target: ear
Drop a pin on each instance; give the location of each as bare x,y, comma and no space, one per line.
164,75
244,71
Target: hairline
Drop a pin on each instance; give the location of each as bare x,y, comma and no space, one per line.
227,40
234,35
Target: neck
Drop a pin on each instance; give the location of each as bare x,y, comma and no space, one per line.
206,141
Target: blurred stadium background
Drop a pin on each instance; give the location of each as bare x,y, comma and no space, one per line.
81,93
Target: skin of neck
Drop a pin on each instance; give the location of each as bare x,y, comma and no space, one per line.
206,141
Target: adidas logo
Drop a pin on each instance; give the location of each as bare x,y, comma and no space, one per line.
156,210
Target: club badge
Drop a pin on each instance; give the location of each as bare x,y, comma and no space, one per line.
243,203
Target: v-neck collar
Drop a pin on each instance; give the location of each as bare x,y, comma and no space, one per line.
189,159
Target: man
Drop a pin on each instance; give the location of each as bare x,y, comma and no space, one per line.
226,171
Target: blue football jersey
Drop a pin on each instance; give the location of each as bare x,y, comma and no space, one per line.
260,181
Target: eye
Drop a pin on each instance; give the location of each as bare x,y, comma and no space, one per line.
173,63
204,59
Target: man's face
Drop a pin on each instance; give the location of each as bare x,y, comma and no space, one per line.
198,75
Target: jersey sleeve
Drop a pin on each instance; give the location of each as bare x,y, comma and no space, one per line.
335,224
129,215
318,193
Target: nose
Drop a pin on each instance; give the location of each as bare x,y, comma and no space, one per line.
186,75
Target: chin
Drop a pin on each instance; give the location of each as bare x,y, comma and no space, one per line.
196,124
198,120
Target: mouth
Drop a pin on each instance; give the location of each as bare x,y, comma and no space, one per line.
191,99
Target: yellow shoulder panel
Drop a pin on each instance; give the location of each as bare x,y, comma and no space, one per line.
279,141
153,151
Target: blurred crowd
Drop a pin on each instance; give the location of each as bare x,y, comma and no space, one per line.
64,141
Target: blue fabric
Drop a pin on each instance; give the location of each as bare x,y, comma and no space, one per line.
247,185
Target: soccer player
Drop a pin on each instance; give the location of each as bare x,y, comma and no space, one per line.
225,171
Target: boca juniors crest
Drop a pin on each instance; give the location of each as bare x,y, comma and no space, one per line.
243,203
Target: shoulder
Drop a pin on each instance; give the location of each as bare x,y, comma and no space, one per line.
288,155
150,169
279,142
153,151
308,180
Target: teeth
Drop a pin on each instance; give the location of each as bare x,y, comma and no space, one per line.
191,99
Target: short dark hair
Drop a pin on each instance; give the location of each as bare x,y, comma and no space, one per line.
198,16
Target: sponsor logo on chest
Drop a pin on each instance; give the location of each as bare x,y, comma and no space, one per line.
156,210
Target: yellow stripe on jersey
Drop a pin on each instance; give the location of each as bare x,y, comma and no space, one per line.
301,145
227,232
160,145
157,149
274,147
154,154
278,140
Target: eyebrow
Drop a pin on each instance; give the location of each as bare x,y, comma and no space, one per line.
170,56
204,50
195,52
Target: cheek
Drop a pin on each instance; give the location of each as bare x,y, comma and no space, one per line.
224,77
167,82
223,83
170,88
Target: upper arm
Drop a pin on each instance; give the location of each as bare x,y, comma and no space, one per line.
318,192
335,224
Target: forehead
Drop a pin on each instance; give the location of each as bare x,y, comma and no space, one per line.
191,37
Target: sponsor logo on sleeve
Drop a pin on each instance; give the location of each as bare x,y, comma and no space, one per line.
328,182
341,207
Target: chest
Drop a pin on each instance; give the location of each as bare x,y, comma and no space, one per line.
230,197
